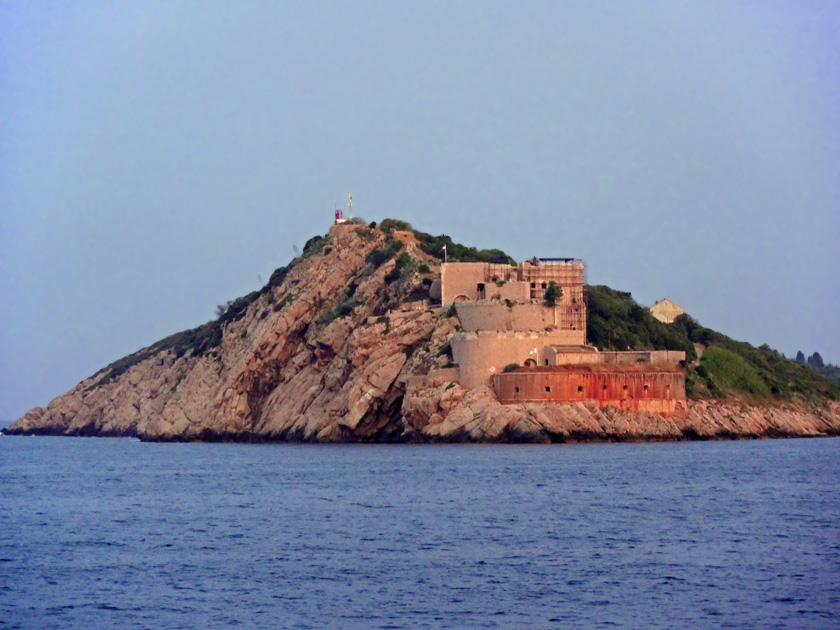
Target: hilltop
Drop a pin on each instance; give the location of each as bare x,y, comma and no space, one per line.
345,343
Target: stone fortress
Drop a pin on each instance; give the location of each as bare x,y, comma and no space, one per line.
505,321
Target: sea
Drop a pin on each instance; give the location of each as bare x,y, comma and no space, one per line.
118,533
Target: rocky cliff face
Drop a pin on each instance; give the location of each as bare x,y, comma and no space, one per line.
342,349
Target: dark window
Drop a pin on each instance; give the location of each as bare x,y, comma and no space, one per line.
604,388
546,361
647,387
517,390
580,388
548,389
544,285
625,387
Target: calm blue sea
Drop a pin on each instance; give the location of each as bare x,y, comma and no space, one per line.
115,533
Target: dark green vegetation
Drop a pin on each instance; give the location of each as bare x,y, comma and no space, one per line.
816,363
379,257
552,294
727,366
455,252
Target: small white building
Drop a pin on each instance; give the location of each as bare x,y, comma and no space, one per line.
666,311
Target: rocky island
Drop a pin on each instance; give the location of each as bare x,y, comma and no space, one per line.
370,336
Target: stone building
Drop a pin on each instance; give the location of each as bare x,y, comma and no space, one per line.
505,323
666,311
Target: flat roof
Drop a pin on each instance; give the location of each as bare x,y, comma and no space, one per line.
600,368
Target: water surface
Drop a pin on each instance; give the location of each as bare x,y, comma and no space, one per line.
98,533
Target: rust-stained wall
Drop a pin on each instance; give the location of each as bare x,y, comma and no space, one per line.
652,390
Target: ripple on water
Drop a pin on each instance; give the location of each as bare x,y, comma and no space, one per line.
650,536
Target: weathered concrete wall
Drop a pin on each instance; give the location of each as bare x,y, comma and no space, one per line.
652,391
460,281
557,356
521,317
513,291
481,355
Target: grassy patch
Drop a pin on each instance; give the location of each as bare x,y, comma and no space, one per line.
729,372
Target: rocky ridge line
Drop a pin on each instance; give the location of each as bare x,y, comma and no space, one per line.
339,352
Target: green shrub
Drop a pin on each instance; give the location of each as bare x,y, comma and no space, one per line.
403,260
343,309
388,225
552,294
392,275
455,252
511,367
379,256
423,268
313,246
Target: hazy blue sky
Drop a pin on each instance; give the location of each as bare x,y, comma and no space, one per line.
159,158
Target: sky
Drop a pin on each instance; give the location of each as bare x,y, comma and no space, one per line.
160,158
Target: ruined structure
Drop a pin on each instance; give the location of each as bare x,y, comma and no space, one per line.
507,323
666,311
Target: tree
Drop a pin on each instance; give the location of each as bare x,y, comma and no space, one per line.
552,294
815,360
800,358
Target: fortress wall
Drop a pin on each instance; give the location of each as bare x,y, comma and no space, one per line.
564,274
662,393
521,317
660,357
481,355
513,291
461,279
570,358
649,356
500,272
